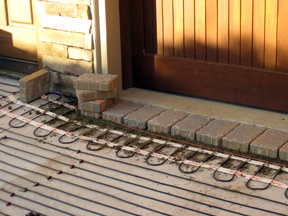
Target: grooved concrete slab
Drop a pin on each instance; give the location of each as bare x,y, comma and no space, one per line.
120,110
240,138
283,152
269,143
189,126
139,118
214,132
165,121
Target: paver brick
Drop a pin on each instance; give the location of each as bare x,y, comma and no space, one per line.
189,126
80,54
96,105
164,122
240,138
119,111
283,152
88,95
139,118
96,82
62,37
91,114
34,85
269,143
71,66
214,132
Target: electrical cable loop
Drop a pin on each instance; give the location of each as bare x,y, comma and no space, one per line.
232,175
125,155
286,193
92,143
163,160
180,167
67,142
267,184
35,117
38,135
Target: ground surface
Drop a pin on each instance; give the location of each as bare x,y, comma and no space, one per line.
104,184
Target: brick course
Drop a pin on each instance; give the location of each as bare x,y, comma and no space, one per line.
283,152
97,82
80,54
141,116
189,126
164,122
65,23
240,138
70,66
269,143
55,50
97,105
117,112
62,37
34,85
213,133
87,95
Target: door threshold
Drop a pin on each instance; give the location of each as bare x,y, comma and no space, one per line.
18,65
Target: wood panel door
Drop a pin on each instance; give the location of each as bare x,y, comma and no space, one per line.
18,37
229,50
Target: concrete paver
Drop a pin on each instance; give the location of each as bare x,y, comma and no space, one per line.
240,138
189,126
117,112
97,105
164,122
96,82
269,143
214,132
88,95
139,118
283,152
34,85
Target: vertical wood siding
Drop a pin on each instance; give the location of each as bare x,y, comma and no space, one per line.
250,33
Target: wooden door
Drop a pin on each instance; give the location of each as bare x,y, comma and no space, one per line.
18,37
229,50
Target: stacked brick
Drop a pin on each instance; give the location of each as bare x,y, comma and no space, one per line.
96,93
65,34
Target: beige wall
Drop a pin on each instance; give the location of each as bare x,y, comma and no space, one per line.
79,36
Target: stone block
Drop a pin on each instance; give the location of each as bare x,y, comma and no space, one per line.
84,12
119,111
88,42
65,23
91,114
56,9
283,152
97,82
34,85
269,143
67,66
140,117
52,49
67,83
97,105
240,138
54,77
62,37
213,133
88,95
80,54
164,122
189,126
85,2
